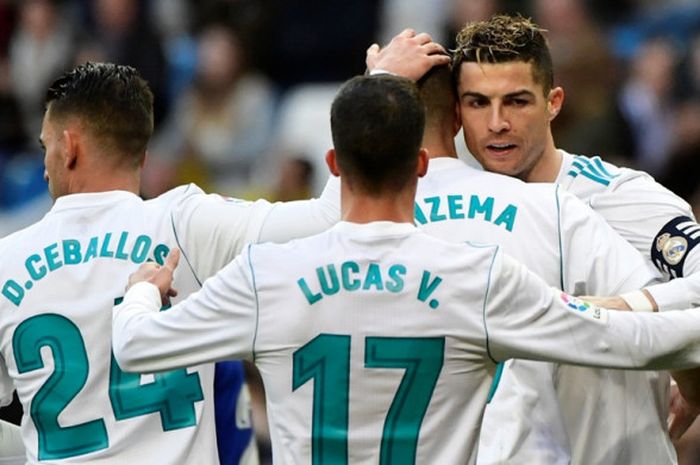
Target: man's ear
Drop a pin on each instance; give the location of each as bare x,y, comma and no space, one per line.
422,162
332,162
555,100
70,149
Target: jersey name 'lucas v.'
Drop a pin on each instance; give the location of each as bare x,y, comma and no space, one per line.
69,252
351,276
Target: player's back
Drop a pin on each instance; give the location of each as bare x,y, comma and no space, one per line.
571,248
60,279
541,226
374,335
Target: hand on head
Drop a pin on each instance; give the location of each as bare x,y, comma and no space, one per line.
408,54
161,276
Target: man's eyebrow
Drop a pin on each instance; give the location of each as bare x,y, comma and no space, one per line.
473,94
520,93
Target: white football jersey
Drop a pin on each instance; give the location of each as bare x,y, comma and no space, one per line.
653,219
59,280
610,421
377,343
554,235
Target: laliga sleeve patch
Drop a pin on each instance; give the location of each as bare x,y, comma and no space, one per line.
584,308
672,244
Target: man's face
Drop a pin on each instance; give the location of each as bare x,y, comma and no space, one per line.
505,116
54,169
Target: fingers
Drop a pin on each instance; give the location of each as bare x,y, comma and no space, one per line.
434,48
438,60
407,33
172,259
423,38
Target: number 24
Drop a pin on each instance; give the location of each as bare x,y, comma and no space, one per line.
172,393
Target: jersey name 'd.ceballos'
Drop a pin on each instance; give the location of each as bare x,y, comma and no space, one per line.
351,277
452,207
69,252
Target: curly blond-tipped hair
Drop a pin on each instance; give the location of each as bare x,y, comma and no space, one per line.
504,39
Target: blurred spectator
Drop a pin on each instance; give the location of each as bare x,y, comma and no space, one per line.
646,103
40,49
461,12
295,180
120,32
8,12
221,124
589,122
682,175
317,41
13,136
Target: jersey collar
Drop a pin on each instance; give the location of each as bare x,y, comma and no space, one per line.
67,202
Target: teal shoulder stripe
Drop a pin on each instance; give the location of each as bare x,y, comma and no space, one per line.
592,168
257,301
496,381
601,167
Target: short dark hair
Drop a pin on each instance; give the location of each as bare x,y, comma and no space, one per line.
504,39
438,92
377,125
113,101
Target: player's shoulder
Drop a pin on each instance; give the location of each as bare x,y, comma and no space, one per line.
176,194
593,174
22,237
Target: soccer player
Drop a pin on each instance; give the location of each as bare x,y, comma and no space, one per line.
376,342
507,100
61,276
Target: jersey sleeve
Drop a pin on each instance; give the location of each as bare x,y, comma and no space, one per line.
675,250
211,230
661,225
216,323
596,260
524,318
293,220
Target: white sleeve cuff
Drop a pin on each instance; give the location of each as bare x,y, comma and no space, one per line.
637,301
144,292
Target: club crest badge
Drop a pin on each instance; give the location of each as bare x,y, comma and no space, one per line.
673,248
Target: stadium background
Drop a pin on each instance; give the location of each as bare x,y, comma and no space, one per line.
243,87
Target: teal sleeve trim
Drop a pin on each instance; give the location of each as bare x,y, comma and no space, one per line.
257,302
496,381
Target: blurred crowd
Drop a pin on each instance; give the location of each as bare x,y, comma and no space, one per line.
243,87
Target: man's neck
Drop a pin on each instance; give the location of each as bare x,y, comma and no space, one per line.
439,145
129,181
547,168
362,208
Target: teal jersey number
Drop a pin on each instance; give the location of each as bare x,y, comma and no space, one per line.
326,360
68,378
172,393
